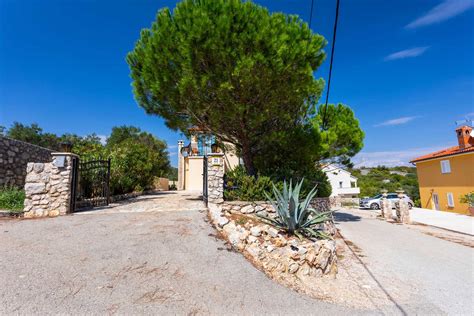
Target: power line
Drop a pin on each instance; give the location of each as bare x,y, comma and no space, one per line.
330,64
311,15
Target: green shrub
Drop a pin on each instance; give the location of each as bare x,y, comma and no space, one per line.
11,199
242,187
468,199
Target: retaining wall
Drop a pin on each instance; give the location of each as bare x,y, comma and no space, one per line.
14,157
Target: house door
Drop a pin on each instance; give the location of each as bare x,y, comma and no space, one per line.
436,201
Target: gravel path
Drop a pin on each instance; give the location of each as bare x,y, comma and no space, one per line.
155,255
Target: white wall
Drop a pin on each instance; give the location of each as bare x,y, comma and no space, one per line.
340,181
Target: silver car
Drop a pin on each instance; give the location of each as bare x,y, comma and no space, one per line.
374,203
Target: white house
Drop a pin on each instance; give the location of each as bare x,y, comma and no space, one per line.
342,182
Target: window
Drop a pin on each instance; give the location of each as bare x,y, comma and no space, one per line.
340,184
445,166
450,199
392,196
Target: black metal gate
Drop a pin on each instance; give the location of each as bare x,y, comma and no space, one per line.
91,184
205,193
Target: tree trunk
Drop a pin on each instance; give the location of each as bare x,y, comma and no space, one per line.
248,161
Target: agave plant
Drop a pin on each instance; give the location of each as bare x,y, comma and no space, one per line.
296,216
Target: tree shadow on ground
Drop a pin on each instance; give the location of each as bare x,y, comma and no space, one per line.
341,216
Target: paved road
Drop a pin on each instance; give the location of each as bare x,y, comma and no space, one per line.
156,255
436,275
152,256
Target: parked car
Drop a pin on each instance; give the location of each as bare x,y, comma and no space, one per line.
374,202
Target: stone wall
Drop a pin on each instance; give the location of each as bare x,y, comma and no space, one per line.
215,178
279,255
248,207
48,187
14,156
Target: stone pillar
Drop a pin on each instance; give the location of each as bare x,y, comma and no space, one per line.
385,206
215,178
403,209
48,186
180,166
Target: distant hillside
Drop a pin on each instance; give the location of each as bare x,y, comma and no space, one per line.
372,180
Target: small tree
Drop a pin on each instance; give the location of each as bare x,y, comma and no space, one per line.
229,67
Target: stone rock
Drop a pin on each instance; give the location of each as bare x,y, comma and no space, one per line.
302,250
251,239
262,213
280,242
254,250
34,188
53,213
247,209
272,232
322,259
293,267
222,221
234,238
256,231
270,248
259,208
305,269
310,256
244,234
230,228
38,167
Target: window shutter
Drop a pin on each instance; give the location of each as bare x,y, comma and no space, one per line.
450,199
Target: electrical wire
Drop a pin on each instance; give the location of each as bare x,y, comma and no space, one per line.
330,63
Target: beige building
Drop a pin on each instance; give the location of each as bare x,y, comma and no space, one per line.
191,159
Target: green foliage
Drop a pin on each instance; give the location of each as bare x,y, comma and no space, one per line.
380,178
341,137
11,199
156,149
132,167
33,134
137,156
243,187
468,199
229,67
173,174
295,216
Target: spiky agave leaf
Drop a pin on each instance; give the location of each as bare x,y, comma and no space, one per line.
293,215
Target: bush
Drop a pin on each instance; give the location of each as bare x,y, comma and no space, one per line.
240,186
468,199
11,199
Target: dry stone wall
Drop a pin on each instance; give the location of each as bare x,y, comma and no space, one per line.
48,187
215,178
14,156
279,255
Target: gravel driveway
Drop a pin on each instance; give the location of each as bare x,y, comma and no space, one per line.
153,255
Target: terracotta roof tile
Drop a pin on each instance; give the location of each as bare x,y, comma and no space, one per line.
445,152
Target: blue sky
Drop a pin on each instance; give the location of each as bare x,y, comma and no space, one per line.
405,67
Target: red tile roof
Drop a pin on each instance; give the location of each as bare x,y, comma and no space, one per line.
445,152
